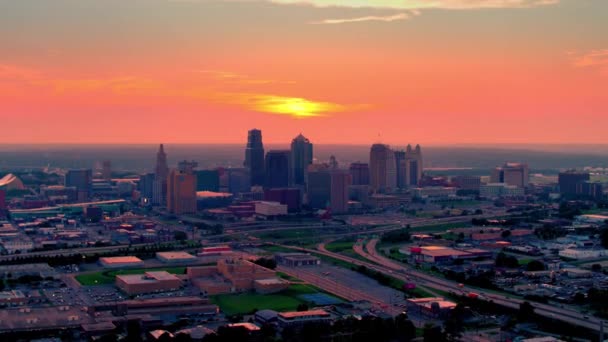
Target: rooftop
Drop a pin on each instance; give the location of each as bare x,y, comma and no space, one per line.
120,260
296,314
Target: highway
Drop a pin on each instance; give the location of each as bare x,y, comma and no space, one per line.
390,268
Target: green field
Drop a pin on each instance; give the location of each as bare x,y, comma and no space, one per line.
107,277
340,246
246,303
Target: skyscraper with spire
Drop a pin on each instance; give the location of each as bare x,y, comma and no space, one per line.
301,157
161,172
254,157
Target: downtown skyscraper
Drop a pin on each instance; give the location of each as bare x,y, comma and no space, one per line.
254,157
161,172
382,169
301,157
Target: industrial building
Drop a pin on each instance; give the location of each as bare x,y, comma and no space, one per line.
175,257
121,262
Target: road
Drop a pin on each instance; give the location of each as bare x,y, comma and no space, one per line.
563,314
390,268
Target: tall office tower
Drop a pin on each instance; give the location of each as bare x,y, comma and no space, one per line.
318,186
402,169
146,187
382,169
106,170
254,157
413,168
278,168
301,157
569,182
238,180
359,173
515,174
82,180
341,180
181,189
161,172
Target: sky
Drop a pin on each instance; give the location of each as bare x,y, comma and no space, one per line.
338,71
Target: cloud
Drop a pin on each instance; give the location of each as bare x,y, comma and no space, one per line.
388,18
591,58
421,4
295,107
236,78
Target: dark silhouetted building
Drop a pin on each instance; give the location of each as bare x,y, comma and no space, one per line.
82,180
2,199
238,180
382,169
146,187
288,196
208,180
181,189
318,186
301,157
106,170
278,169
254,157
409,167
590,190
161,172
341,180
569,182
467,182
359,173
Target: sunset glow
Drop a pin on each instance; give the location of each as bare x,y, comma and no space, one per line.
434,72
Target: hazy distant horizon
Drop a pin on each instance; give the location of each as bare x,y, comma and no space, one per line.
141,157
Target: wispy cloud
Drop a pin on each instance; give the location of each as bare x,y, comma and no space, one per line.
388,18
591,58
421,4
236,78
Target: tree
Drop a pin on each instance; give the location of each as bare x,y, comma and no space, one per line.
178,235
535,265
604,237
596,268
432,333
508,261
302,307
405,328
453,326
526,312
505,234
269,263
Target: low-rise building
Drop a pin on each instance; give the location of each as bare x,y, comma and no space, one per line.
149,282
436,307
578,254
121,262
12,298
175,257
270,209
296,259
296,318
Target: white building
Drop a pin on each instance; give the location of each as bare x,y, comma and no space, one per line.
14,246
579,254
434,192
270,209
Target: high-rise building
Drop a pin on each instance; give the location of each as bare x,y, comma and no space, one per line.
146,187
318,186
301,157
359,173
411,168
333,163
341,180
208,180
402,169
238,180
161,172
515,174
181,189
593,190
278,168
465,182
288,196
106,170
569,182
382,169
254,157
82,180
2,199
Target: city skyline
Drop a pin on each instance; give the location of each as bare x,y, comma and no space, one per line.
458,72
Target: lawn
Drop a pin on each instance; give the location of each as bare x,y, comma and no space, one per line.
340,246
246,303
108,277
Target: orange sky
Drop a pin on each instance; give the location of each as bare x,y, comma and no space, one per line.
190,71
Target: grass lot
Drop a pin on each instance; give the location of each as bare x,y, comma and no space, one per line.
246,303
340,246
107,277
